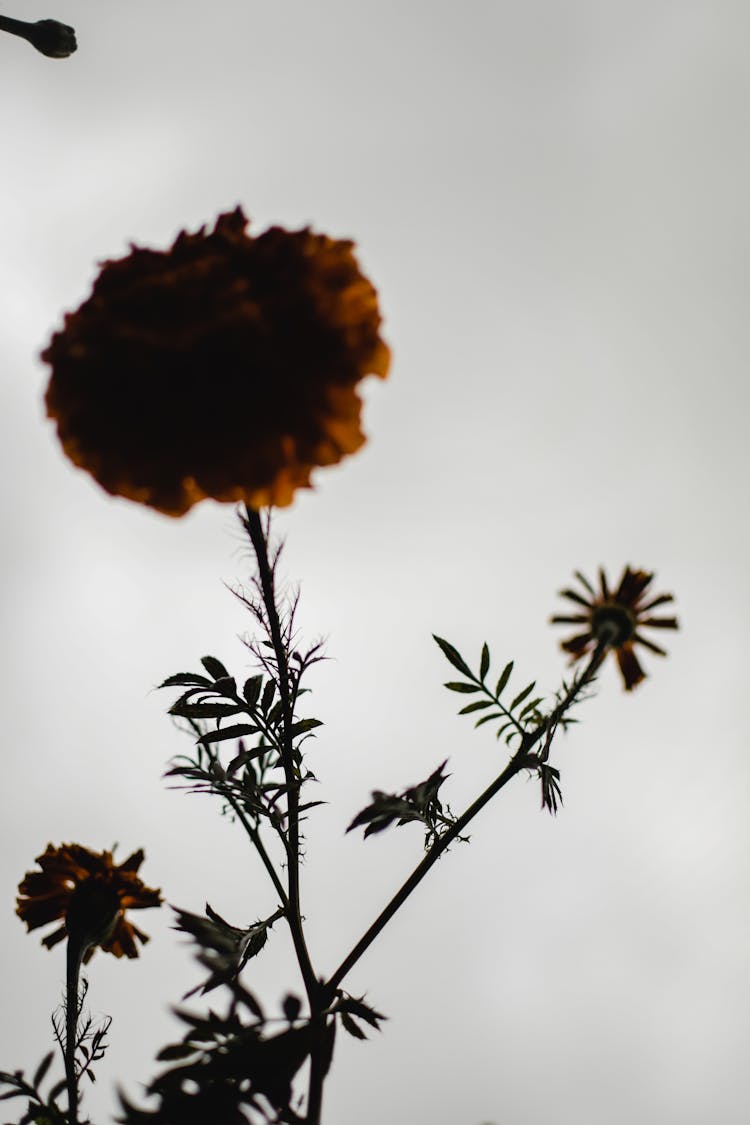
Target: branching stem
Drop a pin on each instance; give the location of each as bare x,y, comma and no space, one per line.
260,546
520,760
313,989
257,843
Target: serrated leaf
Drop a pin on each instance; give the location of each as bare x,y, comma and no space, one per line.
304,725
504,677
226,685
56,1090
478,705
204,710
377,826
268,693
484,665
530,706
242,759
354,1029
237,730
190,694
42,1069
522,695
186,679
274,716
361,1010
251,690
487,719
214,667
456,685
453,656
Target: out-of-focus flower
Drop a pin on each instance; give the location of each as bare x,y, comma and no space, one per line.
89,893
616,619
54,39
225,367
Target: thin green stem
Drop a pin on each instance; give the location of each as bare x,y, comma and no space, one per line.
519,761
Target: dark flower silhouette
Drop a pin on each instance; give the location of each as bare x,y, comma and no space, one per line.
225,367
54,39
90,893
616,619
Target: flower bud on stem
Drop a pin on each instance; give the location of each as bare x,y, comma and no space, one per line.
50,37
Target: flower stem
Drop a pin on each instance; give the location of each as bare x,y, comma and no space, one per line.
257,843
315,994
317,1069
519,761
14,27
252,522
74,956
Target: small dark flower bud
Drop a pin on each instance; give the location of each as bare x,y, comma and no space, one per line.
54,39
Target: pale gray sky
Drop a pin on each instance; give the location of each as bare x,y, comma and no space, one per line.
551,197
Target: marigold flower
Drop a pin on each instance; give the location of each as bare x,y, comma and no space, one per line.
615,619
225,367
90,893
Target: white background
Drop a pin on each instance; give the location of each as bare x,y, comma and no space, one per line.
551,198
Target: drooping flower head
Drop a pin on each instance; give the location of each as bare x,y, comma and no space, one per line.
89,893
54,39
224,367
616,619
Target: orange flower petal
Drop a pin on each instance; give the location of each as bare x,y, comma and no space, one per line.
74,885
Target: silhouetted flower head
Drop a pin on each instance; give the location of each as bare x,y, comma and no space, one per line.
54,39
225,367
616,619
89,893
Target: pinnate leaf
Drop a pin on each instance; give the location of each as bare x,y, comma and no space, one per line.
453,656
504,677
236,730
214,667
522,695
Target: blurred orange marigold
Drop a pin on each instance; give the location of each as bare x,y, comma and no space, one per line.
224,367
90,893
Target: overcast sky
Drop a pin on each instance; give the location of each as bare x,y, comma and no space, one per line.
551,197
